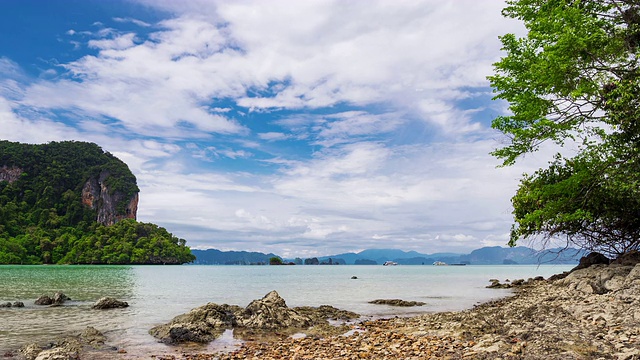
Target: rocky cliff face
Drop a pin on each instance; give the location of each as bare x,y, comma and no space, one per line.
97,195
10,174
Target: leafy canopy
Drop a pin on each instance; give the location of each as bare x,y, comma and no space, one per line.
574,77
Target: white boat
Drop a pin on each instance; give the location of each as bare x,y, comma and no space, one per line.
390,263
439,263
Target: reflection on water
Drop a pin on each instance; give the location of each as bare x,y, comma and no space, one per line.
158,293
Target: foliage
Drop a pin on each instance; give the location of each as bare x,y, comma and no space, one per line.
574,77
43,220
275,261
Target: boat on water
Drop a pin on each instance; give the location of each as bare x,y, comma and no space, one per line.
389,263
442,263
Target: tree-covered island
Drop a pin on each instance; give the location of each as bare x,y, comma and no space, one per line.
72,203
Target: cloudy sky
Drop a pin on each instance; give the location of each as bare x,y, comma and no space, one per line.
296,127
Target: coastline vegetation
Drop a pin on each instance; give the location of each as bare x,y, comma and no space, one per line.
574,79
43,219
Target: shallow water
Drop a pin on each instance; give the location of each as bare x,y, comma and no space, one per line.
158,293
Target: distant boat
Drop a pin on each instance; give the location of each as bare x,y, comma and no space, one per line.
439,263
389,263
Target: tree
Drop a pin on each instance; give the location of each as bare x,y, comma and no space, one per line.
275,261
574,78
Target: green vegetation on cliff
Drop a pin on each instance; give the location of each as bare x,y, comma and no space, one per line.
47,215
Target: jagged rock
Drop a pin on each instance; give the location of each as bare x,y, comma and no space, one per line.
271,312
99,197
396,302
593,258
206,323
18,304
202,324
109,303
5,305
60,298
44,300
597,279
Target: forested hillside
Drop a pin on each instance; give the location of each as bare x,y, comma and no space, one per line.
59,203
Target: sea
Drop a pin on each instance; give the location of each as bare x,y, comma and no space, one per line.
156,294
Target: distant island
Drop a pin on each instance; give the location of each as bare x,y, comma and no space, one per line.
73,203
495,255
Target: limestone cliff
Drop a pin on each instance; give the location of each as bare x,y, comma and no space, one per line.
10,174
108,203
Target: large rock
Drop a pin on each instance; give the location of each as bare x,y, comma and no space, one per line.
597,279
44,300
630,258
109,303
202,324
593,258
206,323
271,312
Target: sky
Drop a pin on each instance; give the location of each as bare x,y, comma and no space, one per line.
302,128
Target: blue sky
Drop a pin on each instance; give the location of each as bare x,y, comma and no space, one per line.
297,127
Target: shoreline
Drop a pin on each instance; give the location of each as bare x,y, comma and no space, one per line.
589,314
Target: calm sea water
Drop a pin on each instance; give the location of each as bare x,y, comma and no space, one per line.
158,293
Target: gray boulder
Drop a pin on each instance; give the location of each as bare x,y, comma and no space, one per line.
44,300
201,325
5,305
18,304
109,303
271,312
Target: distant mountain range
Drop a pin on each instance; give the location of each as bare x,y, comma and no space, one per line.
494,255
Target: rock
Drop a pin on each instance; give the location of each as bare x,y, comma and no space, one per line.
321,314
630,258
5,305
495,284
60,298
92,336
396,302
109,303
30,351
18,304
271,312
354,277
44,300
517,282
593,258
202,324
597,279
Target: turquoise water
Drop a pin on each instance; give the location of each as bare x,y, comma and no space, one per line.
158,293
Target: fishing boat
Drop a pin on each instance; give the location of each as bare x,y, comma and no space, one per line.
389,263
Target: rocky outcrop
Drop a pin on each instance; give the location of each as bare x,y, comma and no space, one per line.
57,300
109,303
397,302
85,345
206,323
202,324
271,312
99,197
10,174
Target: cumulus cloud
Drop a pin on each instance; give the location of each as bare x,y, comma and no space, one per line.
353,117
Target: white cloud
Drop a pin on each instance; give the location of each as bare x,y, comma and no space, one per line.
347,80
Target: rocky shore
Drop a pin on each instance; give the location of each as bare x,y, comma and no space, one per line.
590,313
